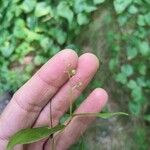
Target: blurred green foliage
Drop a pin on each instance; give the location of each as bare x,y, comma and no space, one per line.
39,29
130,52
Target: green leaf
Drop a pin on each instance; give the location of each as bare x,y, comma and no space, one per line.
102,115
7,49
59,35
98,1
141,20
79,6
121,5
42,9
109,115
135,108
132,84
64,11
82,19
144,48
46,43
147,118
113,63
89,8
19,29
147,18
31,36
131,53
127,69
141,82
28,5
121,77
132,9
39,60
137,94
148,83
23,49
83,6
27,136
54,49
142,68
122,19
32,22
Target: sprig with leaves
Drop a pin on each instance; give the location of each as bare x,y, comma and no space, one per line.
31,135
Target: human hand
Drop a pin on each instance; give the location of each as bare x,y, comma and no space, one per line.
29,107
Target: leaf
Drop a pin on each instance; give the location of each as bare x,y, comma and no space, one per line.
46,43
79,6
64,11
122,19
113,63
19,29
133,9
132,84
82,19
127,69
142,68
121,77
135,108
59,35
39,60
121,5
102,115
147,18
109,115
141,20
137,94
32,22
27,136
82,6
54,49
89,8
42,9
98,1
141,81
131,53
7,49
28,5
144,48
147,117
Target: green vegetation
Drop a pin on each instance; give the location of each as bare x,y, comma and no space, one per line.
130,51
37,30
33,31
31,135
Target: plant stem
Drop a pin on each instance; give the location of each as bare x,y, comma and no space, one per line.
51,119
71,104
51,126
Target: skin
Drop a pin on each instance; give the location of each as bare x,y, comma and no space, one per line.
29,107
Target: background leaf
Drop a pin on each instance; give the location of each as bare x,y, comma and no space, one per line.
64,11
121,5
82,19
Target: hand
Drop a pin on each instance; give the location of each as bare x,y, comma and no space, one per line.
29,107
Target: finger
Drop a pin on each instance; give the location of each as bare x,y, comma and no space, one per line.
93,104
70,91
28,101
